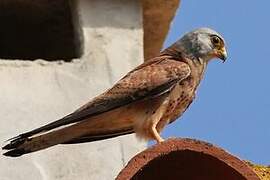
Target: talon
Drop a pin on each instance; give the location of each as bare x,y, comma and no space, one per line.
160,140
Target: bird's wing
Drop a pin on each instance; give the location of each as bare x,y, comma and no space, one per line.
150,79
91,138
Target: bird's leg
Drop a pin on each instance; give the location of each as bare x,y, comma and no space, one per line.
156,118
156,135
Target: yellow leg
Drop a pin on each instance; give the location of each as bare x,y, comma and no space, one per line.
156,118
156,135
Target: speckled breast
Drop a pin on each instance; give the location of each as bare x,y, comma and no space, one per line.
182,96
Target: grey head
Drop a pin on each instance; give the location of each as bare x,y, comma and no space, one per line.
203,43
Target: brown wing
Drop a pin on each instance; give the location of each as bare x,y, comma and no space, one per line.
151,79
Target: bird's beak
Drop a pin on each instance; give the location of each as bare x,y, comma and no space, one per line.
222,54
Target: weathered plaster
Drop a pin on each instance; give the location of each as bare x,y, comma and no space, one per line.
35,93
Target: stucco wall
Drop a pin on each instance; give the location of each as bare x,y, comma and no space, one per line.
35,93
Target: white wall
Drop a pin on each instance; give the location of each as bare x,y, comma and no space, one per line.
35,93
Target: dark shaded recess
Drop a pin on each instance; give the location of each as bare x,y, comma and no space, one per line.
39,29
187,165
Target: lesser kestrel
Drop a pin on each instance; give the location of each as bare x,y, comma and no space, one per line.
145,100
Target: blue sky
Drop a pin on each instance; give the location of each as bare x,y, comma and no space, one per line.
232,108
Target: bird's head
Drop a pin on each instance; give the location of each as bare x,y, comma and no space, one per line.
203,43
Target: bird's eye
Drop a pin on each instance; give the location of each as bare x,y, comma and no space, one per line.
216,40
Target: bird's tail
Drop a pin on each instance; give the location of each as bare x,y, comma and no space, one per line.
109,124
105,126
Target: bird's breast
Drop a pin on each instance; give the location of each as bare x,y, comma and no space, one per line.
180,99
182,95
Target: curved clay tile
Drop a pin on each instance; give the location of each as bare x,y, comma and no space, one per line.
157,18
186,159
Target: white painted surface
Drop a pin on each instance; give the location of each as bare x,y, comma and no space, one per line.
35,93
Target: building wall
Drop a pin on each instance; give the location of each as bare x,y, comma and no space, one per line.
34,93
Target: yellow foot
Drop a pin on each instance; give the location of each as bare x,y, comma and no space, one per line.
159,139
156,135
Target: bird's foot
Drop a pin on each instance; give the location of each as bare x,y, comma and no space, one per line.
156,135
159,139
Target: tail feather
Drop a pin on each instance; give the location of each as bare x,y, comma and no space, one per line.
15,153
16,147
12,147
106,125
20,146
91,138
14,142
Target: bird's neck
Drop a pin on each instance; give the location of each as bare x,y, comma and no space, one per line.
197,66
174,52
178,53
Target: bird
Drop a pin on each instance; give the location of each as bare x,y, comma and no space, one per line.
144,101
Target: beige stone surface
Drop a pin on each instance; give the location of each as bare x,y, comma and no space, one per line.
35,93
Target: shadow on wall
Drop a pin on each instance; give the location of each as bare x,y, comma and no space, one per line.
51,30
39,29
